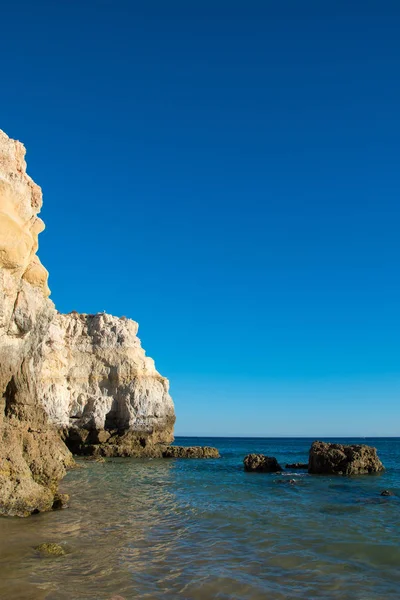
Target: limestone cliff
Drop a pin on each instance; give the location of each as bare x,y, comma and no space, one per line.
84,375
32,456
99,386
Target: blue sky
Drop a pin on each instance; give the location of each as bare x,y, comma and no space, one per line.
226,174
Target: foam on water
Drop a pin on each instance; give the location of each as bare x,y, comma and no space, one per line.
199,529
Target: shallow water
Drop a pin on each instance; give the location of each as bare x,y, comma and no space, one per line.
199,529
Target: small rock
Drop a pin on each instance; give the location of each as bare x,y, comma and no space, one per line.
60,501
387,493
297,466
261,463
50,549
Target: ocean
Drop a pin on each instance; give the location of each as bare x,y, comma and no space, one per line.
204,529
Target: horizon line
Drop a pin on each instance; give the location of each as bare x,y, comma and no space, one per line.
343,437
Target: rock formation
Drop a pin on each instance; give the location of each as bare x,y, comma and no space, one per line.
261,463
341,459
32,456
190,452
85,376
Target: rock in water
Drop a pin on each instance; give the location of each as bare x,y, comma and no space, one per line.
297,466
341,459
50,549
93,458
261,463
387,493
190,452
60,501
84,375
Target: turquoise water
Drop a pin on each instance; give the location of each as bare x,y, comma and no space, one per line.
199,529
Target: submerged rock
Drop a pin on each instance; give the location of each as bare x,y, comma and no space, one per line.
387,493
190,452
51,549
92,458
342,459
297,466
261,463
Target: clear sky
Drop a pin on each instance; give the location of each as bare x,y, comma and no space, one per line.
227,174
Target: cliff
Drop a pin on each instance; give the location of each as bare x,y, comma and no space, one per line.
32,455
85,377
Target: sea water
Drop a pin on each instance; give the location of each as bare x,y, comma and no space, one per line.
200,529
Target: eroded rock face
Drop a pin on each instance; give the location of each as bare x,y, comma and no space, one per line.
261,463
98,385
343,459
32,456
85,376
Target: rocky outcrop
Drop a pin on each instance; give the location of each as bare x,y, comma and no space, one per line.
32,456
190,452
84,376
99,387
341,459
261,463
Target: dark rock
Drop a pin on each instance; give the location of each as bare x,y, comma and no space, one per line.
261,463
387,493
190,452
60,501
341,459
297,466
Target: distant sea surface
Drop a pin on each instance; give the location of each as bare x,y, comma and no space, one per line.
203,529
